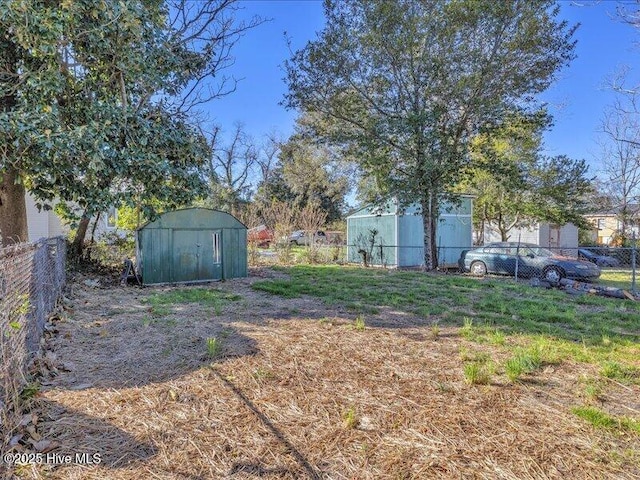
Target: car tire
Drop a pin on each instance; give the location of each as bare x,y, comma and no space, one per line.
478,269
552,274
294,242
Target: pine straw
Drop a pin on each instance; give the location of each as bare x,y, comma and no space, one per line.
273,405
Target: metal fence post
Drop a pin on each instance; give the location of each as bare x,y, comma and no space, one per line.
518,256
633,262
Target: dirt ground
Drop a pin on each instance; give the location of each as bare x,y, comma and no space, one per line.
297,392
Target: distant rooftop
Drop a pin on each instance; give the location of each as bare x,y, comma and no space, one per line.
633,208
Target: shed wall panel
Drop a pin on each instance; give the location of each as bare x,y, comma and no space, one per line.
406,245
359,236
411,241
541,234
235,251
569,238
179,247
453,235
155,255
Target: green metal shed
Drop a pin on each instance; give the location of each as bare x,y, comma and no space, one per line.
394,236
191,245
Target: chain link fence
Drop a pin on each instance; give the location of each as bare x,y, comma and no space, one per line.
611,267
608,266
32,276
401,256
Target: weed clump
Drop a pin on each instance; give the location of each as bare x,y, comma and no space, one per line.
524,361
350,418
477,373
214,347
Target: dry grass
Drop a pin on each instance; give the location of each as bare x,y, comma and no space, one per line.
145,395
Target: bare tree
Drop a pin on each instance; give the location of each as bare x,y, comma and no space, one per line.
194,25
621,154
281,218
250,216
311,219
268,155
230,169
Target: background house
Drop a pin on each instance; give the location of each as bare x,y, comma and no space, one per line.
191,245
46,223
555,237
394,236
42,223
607,223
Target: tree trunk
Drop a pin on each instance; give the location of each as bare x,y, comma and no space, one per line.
93,236
13,210
504,234
78,241
430,222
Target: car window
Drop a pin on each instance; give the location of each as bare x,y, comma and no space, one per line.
542,252
497,250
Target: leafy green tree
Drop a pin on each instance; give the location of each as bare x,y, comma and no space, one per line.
96,101
559,187
275,187
308,171
515,186
408,84
314,176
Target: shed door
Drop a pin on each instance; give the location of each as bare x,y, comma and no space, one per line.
193,255
554,236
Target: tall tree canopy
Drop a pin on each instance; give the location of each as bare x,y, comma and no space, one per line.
516,186
409,83
309,172
94,101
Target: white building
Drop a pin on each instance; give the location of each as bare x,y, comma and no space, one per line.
45,223
555,237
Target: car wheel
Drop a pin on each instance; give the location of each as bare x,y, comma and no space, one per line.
552,274
294,242
478,269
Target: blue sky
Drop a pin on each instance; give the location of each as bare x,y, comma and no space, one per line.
259,64
577,100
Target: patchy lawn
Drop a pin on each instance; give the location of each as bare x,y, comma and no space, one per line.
330,372
618,278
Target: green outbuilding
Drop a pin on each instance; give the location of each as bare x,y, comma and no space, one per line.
191,245
393,236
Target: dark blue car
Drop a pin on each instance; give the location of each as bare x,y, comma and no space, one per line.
532,261
596,256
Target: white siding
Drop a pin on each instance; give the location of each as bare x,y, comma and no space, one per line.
539,234
43,223
569,236
526,234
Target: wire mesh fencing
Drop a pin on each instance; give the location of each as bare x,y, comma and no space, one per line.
32,276
612,267
607,266
402,256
